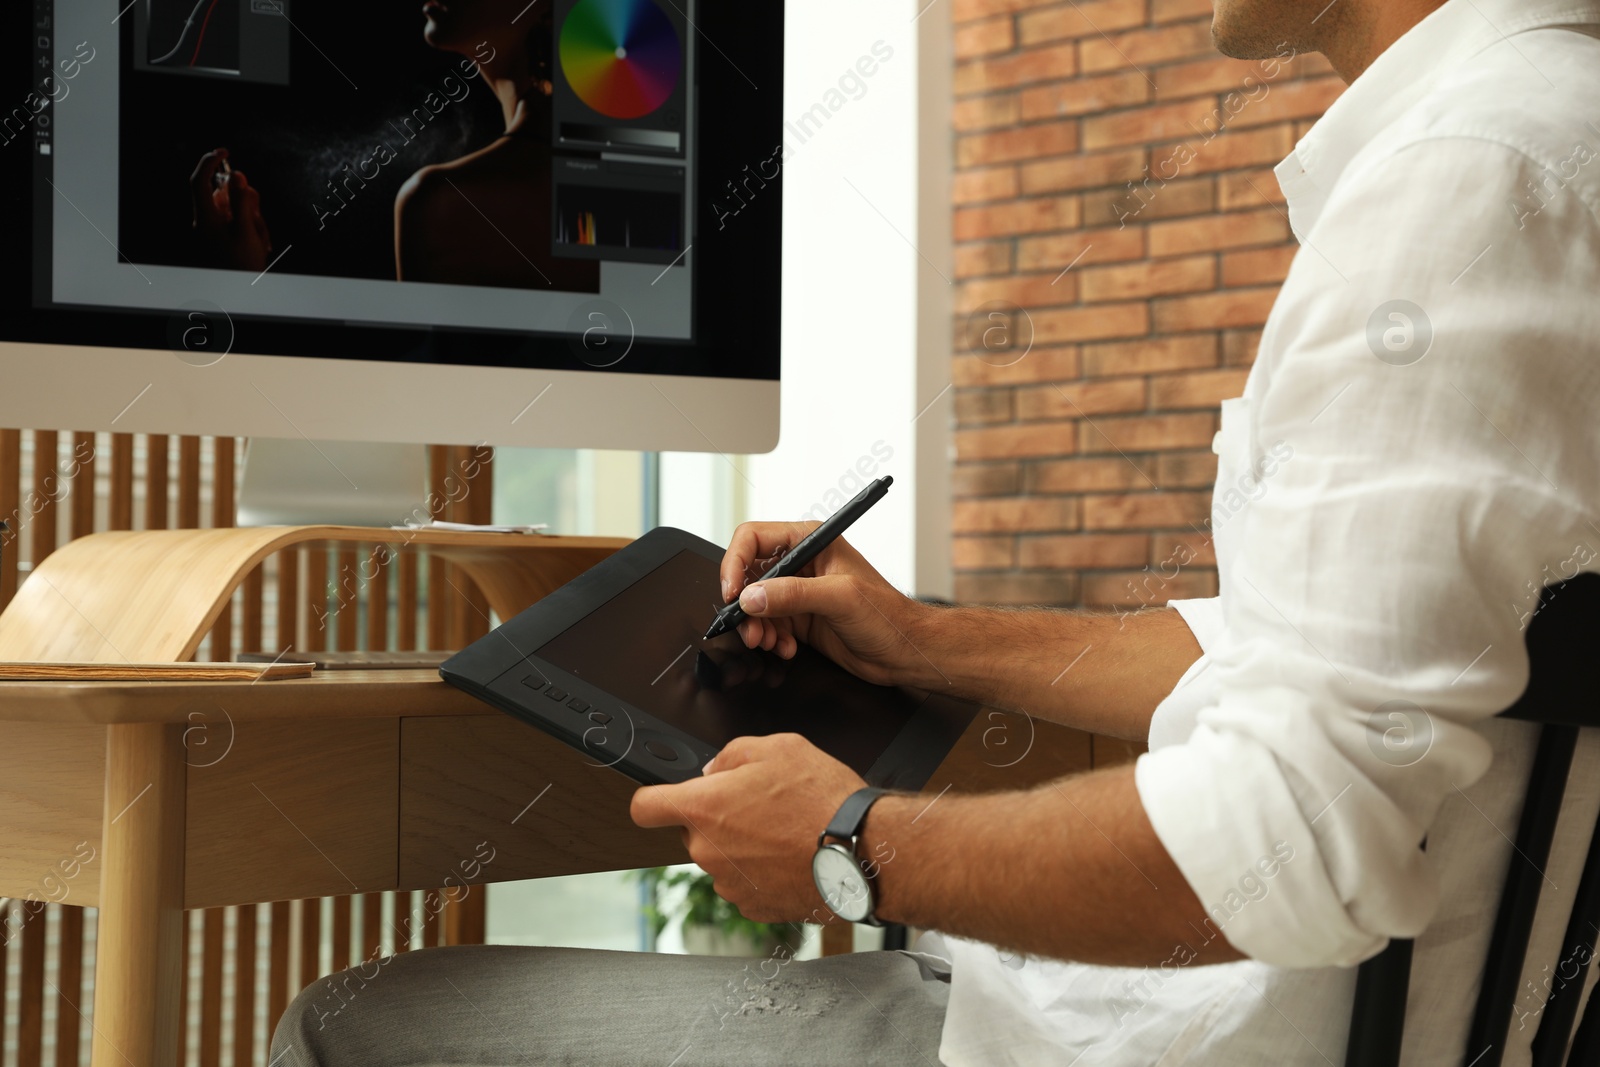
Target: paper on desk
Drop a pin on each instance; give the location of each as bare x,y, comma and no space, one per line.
468,527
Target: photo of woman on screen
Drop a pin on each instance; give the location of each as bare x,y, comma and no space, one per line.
485,218
442,175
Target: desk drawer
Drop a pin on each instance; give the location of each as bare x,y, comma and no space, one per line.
296,808
540,807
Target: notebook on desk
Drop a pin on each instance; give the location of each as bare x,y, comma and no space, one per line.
142,672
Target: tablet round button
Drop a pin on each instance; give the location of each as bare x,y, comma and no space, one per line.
661,751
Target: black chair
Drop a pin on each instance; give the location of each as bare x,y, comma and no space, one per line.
1561,695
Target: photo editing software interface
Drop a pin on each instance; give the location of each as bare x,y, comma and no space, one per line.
471,164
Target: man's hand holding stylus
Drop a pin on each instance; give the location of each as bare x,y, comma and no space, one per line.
1099,672
839,605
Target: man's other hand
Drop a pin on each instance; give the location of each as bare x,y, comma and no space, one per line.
752,820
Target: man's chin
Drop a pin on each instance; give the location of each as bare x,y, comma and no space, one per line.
1245,46
1250,29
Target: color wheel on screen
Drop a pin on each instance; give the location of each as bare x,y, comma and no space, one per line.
622,57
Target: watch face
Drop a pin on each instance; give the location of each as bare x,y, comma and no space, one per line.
841,882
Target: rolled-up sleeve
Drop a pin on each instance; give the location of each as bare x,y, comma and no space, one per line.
1203,616
1377,582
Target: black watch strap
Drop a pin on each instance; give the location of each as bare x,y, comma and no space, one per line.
852,813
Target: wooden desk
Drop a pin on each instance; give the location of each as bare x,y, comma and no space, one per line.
207,794
197,795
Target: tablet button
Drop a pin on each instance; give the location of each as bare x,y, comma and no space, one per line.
661,751
534,682
577,705
556,694
600,717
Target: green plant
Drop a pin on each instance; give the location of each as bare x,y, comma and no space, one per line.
702,907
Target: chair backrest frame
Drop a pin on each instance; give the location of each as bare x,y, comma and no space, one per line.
1563,632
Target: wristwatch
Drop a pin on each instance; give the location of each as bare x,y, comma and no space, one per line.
840,874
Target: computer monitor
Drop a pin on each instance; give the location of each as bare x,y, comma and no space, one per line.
529,222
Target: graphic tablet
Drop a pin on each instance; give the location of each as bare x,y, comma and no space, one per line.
613,664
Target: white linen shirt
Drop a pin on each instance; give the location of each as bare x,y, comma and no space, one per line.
1414,456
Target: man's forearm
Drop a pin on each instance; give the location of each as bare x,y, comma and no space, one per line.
1098,672
1069,870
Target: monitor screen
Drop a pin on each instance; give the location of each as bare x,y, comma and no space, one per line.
489,182
717,690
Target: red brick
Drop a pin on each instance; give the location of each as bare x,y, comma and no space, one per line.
978,407
1082,18
1045,587
1248,189
1196,389
1147,588
1146,433
1014,442
1228,150
1029,291
1076,399
1169,550
983,553
1097,475
967,10
980,258
1084,96
1161,122
1080,249
1132,511
1041,363
1082,172
1214,233
1288,100
1144,47
1212,311
1160,277
1147,201
985,112
1098,323
1025,142
1017,216
1011,514
1186,470
1018,68
1239,347
985,479
988,183
1173,10
984,37
1216,74
1147,357
1084,551
1132,198
1258,266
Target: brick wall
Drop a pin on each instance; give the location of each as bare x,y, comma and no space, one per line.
1119,240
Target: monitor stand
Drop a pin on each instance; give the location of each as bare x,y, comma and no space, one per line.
300,482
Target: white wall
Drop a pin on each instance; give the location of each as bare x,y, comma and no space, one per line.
851,384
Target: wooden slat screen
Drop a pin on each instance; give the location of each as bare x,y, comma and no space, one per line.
244,963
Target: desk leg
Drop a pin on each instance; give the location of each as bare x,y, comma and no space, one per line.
140,939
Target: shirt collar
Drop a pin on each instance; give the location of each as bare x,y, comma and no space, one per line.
1400,77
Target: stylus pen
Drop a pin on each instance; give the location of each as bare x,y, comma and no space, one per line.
809,548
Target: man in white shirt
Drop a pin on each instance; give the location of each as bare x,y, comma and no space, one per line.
1412,459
